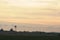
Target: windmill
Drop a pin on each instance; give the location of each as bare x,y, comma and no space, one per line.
15,27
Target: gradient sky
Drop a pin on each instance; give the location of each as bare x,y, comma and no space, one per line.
30,11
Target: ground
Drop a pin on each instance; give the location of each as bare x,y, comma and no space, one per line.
8,37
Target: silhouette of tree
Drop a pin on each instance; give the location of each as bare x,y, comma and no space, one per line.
1,29
11,29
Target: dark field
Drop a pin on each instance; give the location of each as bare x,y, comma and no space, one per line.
6,37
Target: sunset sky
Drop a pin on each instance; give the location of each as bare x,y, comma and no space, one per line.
30,11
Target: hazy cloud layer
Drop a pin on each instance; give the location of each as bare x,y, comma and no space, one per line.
30,9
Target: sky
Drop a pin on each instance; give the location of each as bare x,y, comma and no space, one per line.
30,11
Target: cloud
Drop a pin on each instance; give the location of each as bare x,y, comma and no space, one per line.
38,10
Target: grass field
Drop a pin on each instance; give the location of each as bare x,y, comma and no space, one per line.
6,37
